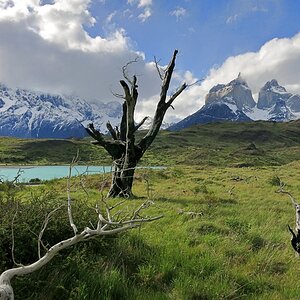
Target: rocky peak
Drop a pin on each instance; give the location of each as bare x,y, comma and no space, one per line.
270,94
235,92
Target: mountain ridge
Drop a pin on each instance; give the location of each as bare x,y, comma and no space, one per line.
274,104
28,114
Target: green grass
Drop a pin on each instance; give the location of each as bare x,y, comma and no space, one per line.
218,144
236,247
49,151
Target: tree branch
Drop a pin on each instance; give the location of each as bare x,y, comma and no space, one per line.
112,131
162,106
159,71
137,126
295,241
72,224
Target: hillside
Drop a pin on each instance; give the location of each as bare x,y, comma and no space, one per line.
219,144
223,236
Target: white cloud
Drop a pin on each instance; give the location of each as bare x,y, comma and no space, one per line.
111,16
242,9
178,12
45,47
277,59
232,19
145,15
145,5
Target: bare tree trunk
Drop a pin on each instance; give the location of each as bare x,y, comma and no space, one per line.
122,148
122,180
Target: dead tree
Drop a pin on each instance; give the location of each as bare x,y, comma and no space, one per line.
123,148
295,240
108,223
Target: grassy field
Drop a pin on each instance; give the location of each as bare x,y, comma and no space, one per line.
218,144
236,245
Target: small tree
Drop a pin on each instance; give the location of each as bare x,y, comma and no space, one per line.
123,149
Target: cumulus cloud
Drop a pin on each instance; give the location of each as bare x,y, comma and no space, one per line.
277,59
45,47
178,12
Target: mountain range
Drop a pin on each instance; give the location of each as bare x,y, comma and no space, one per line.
28,114
234,102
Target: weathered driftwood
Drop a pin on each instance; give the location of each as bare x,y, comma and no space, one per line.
295,240
123,148
106,225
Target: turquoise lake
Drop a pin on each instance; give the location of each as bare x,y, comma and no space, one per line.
48,172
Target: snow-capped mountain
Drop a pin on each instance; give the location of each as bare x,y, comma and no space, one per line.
234,102
25,113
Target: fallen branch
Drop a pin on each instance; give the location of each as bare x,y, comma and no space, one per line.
106,225
295,240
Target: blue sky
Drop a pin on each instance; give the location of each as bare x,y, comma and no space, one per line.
79,46
206,32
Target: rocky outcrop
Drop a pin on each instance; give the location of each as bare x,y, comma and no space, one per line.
280,112
236,92
271,93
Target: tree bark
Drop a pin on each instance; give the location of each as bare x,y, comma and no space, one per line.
124,151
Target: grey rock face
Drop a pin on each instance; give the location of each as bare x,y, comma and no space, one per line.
270,93
235,92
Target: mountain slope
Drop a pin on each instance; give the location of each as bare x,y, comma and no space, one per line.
211,113
25,113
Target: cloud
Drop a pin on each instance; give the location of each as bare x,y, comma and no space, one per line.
145,5
46,47
178,12
278,58
111,16
232,19
242,9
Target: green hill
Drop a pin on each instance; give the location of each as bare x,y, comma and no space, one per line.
219,144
